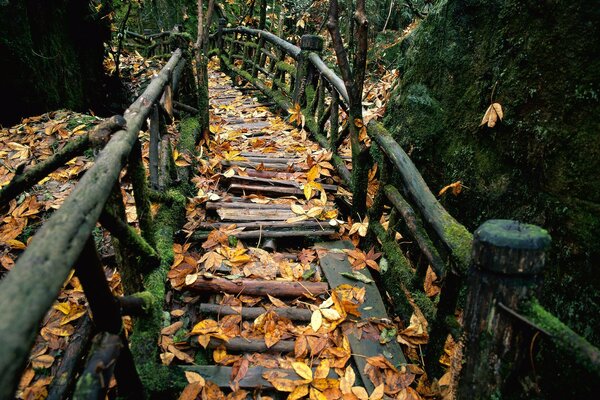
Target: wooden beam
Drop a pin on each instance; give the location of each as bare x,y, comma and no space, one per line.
258,287
293,313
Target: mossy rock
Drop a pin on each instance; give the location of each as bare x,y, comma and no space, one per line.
540,164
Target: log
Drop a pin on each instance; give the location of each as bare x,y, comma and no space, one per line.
184,107
129,237
281,182
216,205
508,259
265,233
258,287
263,225
271,166
293,313
72,360
240,214
290,49
413,223
95,378
32,175
45,264
454,235
242,345
136,305
271,190
154,127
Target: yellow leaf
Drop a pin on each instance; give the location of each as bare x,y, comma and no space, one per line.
360,392
331,314
316,320
322,370
298,393
313,173
347,381
303,370
298,209
316,394
377,393
194,377
456,188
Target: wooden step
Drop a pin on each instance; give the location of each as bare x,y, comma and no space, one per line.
293,313
333,263
266,233
258,287
222,376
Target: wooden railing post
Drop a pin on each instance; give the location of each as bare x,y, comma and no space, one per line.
508,258
308,43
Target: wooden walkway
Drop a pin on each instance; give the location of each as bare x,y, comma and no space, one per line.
272,256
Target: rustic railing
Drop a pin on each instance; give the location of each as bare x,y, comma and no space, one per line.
65,242
498,269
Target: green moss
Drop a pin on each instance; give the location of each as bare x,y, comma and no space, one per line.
147,329
285,67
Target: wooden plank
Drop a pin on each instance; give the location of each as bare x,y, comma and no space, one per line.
280,182
240,214
264,233
258,287
221,375
243,345
293,313
272,166
333,262
215,205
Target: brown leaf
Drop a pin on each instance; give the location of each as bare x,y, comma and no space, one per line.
492,114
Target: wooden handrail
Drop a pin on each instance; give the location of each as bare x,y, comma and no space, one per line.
44,266
289,48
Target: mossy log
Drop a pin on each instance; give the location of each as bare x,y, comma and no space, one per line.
454,235
401,275
414,225
72,360
130,239
137,304
45,264
586,354
32,175
95,378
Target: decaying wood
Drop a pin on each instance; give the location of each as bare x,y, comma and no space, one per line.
258,287
243,345
184,107
95,378
266,214
417,231
293,313
72,360
214,205
453,235
271,166
508,258
362,348
265,233
280,182
45,264
264,225
129,237
32,175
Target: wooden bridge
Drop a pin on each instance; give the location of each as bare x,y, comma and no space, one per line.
261,274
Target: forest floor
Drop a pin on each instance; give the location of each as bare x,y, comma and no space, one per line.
293,336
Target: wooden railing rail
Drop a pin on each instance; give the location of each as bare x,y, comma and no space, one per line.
64,242
293,76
